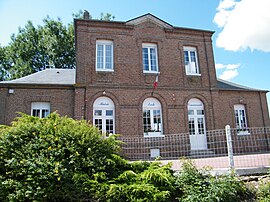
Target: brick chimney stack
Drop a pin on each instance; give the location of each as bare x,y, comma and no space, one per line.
86,15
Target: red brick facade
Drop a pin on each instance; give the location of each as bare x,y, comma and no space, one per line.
128,86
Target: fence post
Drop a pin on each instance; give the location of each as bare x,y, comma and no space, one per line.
229,146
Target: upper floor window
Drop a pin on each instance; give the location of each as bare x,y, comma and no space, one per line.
240,117
40,109
104,55
150,58
191,61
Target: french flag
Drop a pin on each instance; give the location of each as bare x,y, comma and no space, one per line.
156,81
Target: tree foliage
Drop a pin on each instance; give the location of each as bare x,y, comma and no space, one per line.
35,48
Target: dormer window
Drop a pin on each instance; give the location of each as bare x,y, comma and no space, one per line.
104,55
191,61
150,58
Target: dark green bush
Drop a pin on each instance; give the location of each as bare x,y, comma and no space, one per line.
142,182
40,158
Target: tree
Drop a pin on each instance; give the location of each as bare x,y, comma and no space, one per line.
3,64
35,48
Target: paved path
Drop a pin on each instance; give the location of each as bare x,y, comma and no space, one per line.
240,162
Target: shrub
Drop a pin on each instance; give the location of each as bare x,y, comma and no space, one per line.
141,182
264,190
40,158
200,186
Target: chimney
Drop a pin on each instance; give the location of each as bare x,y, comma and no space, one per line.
86,15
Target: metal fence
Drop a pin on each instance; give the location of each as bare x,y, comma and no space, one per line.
225,148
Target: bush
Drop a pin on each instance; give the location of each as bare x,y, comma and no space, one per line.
141,182
40,158
200,186
264,190
60,159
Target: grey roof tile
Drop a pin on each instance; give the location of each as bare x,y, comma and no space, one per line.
47,76
226,85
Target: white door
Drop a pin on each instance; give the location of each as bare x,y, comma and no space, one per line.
103,115
196,122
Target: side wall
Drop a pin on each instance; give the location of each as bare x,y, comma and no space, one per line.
255,105
61,100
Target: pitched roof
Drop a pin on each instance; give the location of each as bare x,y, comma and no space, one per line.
226,85
47,76
149,17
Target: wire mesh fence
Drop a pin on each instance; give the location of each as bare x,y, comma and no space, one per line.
250,148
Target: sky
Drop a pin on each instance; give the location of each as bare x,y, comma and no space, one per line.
242,27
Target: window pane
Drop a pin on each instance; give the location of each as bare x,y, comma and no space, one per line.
190,112
98,123
45,113
186,57
200,112
200,125
191,124
157,121
109,125
192,56
243,119
109,112
153,59
36,112
100,55
108,61
98,113
146,121
145,59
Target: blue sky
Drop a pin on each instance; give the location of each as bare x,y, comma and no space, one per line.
242,27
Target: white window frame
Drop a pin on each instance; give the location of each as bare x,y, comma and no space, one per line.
240,117
42,107
152,105
104,43
149,46
104,104
191,68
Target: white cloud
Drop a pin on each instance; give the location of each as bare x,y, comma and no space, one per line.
225,4
220,66
245,24
230,70
228,66
229,74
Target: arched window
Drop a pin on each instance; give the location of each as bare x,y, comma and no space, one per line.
152,117
196,122
104,115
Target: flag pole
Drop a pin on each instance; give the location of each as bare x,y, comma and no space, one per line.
155,83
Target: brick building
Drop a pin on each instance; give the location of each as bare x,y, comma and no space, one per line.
143,77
